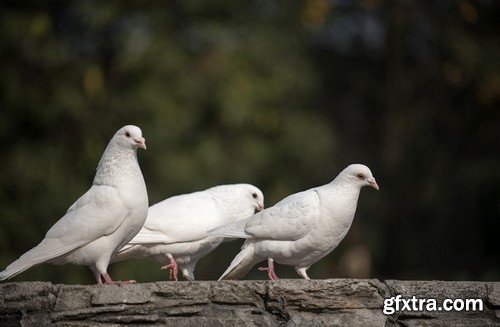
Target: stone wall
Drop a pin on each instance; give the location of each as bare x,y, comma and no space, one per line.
334,302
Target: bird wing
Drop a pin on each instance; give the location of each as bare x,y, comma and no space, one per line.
97,213
179,219
289,219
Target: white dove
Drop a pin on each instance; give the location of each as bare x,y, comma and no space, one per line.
300,229
102,220
176,228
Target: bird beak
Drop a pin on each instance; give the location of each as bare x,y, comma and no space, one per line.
260,207
373,183
141,142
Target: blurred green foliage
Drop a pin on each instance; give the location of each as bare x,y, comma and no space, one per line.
281,95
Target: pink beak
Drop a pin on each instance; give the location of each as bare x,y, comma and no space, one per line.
260,208
141,142
373,183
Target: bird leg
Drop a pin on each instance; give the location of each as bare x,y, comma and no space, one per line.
270,269
97,276
109,281
303,272
172,266
188,274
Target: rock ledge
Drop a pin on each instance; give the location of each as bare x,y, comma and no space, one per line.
332,302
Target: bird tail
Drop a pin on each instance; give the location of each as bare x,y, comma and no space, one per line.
14,269
47,250
241,264
129,251
236,229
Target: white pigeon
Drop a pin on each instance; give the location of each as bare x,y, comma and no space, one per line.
176,228
300,229
102,220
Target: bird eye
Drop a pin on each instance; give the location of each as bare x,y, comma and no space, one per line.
360,176
127,134
254,195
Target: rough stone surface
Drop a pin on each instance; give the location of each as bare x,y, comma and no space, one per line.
494,294
333,302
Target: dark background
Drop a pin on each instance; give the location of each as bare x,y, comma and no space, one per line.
281,94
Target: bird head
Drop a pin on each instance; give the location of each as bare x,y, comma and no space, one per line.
130,136
238,201
359,175
257,197
249,197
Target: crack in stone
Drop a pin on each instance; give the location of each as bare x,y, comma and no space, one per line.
382,288
278,311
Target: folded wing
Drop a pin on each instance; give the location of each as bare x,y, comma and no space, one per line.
97,213
289,219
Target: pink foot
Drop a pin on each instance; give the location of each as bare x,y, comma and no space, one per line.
109,281
270,269
172,266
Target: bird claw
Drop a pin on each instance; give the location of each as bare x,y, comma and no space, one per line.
174,269
127,282
109,281
270,270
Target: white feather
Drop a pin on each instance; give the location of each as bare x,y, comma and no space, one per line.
103,219
178,226
302,228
